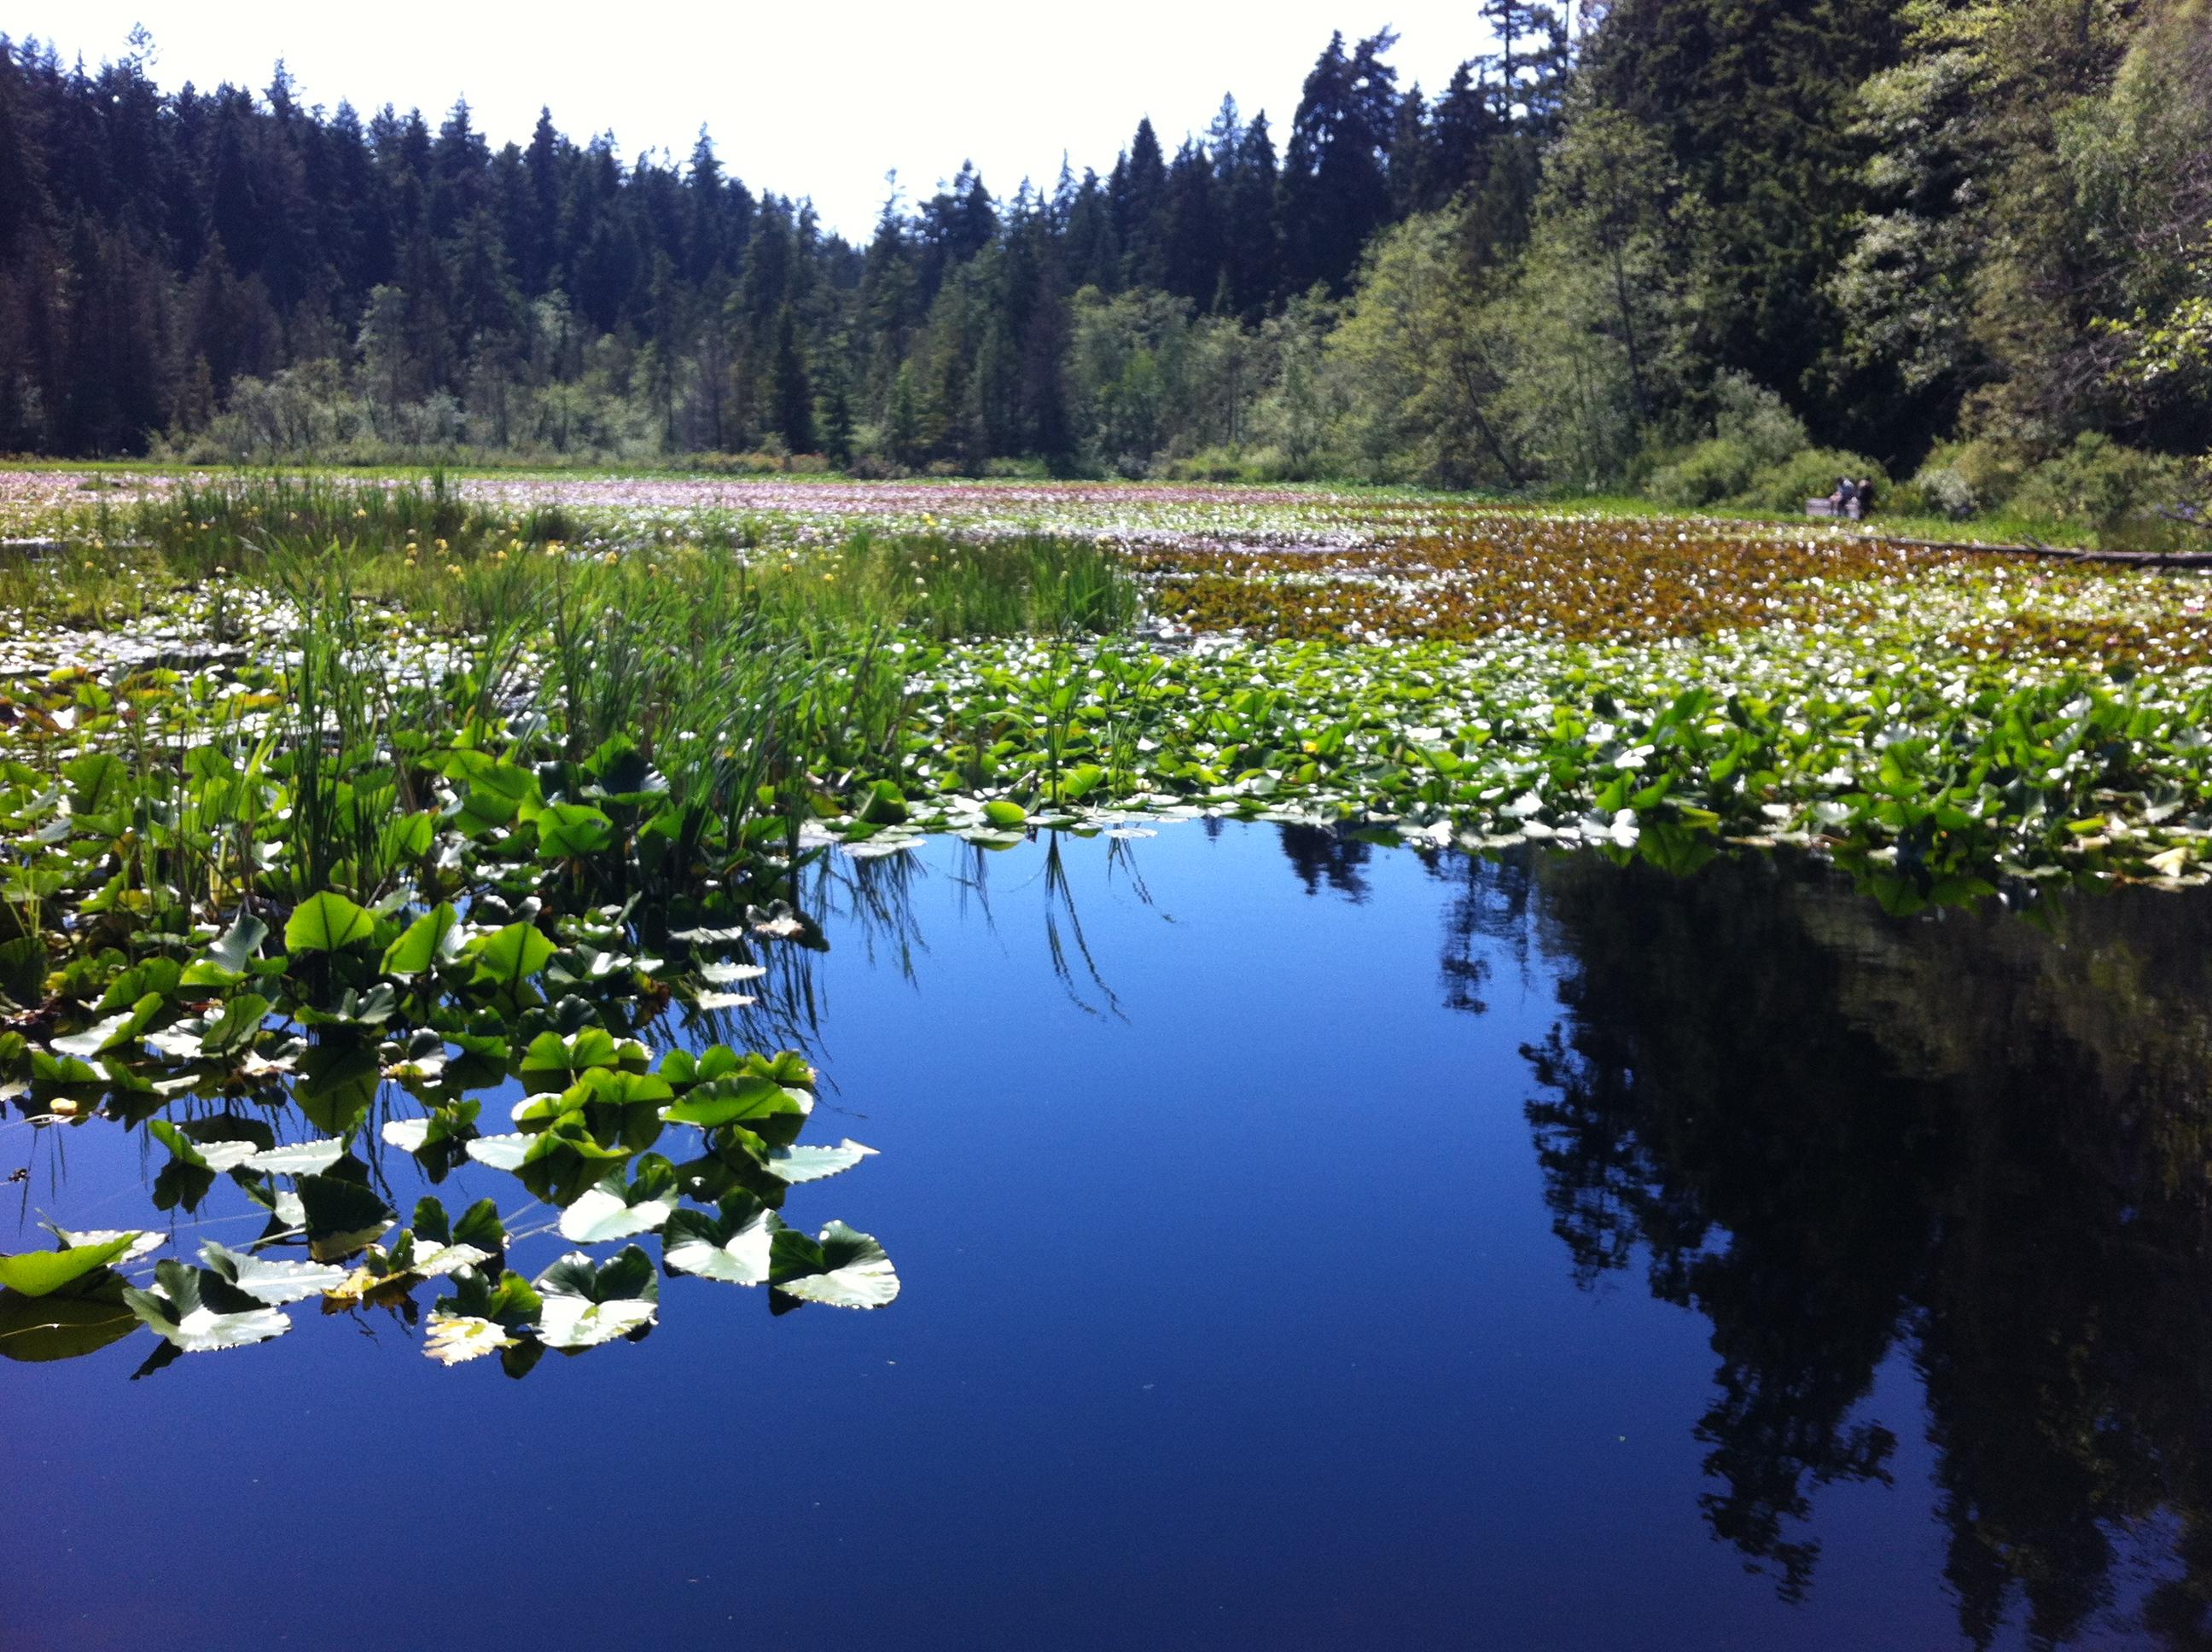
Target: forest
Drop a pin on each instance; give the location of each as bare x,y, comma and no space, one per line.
1714,251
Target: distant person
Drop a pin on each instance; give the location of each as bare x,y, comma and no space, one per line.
1840,501
1862,497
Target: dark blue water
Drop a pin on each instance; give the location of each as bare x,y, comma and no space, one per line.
1303,1248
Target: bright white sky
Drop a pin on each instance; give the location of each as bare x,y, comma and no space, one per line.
816,100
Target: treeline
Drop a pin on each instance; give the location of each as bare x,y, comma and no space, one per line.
1715,248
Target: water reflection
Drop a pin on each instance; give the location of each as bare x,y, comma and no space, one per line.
1977,1146
1827,1131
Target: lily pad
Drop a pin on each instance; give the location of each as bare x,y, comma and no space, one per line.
36,1329
614,1209
814,1163
273,1283
299,1157
451,1339
730,1243
42,1272
585,1305
342,1216
199,1312
843,1267
327,923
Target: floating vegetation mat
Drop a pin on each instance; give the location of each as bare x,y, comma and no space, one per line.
351,820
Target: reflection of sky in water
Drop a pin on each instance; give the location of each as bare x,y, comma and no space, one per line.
1234,1316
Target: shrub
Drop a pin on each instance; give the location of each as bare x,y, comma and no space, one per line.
1938,489
1749,413
1989,472
1753,432
1714,470
1812,474
2098,483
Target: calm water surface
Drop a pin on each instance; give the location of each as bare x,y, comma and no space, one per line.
1303,1247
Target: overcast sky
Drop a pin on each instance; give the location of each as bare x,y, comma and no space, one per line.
816,99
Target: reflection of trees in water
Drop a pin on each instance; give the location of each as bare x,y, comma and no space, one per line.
1321,856
1824,1129
1491,912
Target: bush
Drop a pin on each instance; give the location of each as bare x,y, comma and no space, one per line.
2099,484
1749,413
1714,470
1937,490
1752,432
1225,464
1812,474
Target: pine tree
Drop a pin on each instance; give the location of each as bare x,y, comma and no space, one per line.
1336,188
1138,197
1252,257
791,394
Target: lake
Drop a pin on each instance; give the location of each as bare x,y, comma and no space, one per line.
1303,1245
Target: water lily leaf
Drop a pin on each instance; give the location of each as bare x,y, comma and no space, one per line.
140,1243
708,936
501,1152
239,944
198,1312
387,1275
222,1153
453,1338
741,1099
480,1225
722,1000
511,1302
23,970
496,789
273,1283
841,1268
42,1272
434,938
876,847
550,1054
586,1305
614,1209
729,1243
814,1163
341,1216
98,782
236,1027
408,1135
729,974
569,830
1002,813
36,1329
509,956
327,923
118,1029
299,1157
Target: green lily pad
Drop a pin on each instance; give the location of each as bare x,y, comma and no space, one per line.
434,938
343,1216
843,1267
36,1329
199,1312
729,1243
327,923
272,1283
814,1163
299,1157
585,1305
42,1272
614,1209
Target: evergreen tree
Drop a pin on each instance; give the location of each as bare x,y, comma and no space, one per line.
1137,195
790,395
1335,185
